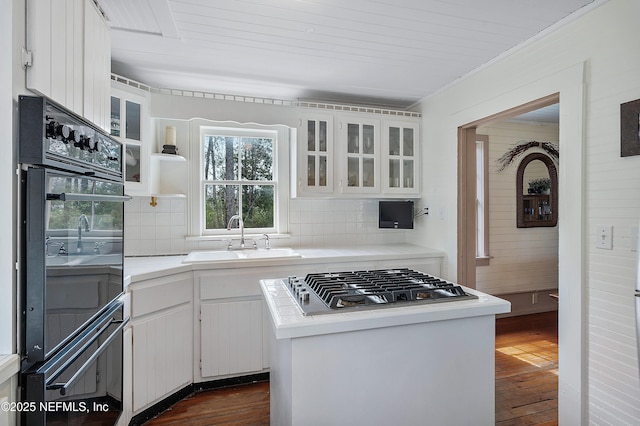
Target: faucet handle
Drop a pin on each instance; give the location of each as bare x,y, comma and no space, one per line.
266,242
229,244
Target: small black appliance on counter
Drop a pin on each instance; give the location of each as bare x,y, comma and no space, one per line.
396,214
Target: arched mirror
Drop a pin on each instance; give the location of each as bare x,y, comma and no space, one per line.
536,192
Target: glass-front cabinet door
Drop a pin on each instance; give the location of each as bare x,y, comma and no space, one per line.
360,151
400,157
128,126
315,158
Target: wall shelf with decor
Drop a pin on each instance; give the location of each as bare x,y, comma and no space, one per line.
168,174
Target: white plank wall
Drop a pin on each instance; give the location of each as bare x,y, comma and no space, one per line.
522,259
594,72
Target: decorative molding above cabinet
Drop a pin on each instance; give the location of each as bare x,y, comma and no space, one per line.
69,47
356,155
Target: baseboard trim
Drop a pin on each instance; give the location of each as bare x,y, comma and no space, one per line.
161,406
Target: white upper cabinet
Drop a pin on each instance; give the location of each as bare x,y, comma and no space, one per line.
400,158
359,155
68,56
314,155
130,124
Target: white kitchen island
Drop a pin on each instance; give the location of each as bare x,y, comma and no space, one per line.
411,365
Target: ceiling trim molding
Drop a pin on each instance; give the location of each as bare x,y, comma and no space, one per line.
264,101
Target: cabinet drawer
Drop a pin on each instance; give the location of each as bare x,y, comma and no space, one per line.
155,295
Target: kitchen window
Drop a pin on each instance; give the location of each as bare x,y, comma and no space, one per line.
238,174
482,200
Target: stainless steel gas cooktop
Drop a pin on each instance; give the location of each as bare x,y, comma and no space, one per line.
346,291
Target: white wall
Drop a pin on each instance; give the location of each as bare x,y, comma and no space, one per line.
593,63
522,259
312,222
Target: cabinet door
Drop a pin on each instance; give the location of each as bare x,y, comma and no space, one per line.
71,64
231,338
360,153
400,157
162,355
97,67
129,123
315,155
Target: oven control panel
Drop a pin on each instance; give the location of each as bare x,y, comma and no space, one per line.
53,136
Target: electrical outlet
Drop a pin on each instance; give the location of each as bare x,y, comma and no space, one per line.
604,237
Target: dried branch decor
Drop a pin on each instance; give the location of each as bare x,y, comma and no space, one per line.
521,147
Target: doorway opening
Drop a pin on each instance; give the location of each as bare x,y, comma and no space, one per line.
497,256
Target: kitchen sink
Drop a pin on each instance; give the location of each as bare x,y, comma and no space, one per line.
270,253
209,256
246,254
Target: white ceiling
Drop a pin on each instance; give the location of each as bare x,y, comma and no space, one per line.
390,53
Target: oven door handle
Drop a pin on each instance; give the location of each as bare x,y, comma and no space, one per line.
64,386
68,196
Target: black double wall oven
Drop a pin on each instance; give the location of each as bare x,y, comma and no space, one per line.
70,268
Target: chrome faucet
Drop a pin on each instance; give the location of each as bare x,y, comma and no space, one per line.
240,225
82,220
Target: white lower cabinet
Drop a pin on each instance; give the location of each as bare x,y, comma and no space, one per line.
231,338
232,333
213,324
162,328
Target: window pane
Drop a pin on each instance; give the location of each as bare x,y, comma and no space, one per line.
221,203
322,142
369,139
394,141
133,120
311,170
311,135
257,206
220,157
353,138
408,142
257,163
115,116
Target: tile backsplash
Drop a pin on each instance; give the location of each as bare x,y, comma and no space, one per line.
162,229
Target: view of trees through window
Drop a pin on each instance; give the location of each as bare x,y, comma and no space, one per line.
238,179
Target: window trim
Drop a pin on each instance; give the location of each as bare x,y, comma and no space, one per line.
281,136
484,259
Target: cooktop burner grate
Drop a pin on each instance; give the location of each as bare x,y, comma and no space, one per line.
371,289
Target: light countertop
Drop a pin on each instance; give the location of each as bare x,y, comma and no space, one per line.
289,322
144,268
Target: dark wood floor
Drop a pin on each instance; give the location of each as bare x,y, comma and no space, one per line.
526,383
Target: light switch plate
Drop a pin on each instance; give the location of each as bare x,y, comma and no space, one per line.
604,237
